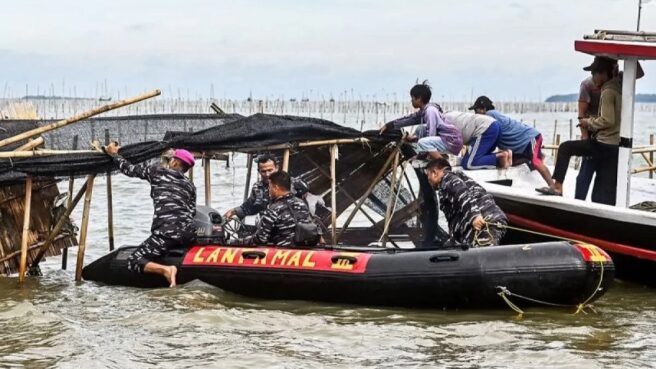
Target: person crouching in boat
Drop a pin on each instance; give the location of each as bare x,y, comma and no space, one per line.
473,216
174,200
260,198
287,221
603,144
435,136
481,134
520,139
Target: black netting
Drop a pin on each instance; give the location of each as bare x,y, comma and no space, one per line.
227,134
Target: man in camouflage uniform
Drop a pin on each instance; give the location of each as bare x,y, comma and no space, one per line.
259,198
174,200
473,216
277,224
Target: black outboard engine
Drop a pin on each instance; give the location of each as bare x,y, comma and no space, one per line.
209,226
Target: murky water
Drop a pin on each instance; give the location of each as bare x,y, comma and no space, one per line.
54,322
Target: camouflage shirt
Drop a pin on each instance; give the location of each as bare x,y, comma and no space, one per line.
462,200
260,199
173,194
277,223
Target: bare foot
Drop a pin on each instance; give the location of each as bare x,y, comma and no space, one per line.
170,273
504,162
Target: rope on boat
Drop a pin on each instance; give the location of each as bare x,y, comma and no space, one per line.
505,294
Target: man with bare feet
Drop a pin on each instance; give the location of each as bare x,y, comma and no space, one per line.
522,140
174,200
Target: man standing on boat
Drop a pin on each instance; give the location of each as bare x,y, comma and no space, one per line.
589,98
260,198
473,216
434,136
287,222
603,144
174,200
481,134
520,139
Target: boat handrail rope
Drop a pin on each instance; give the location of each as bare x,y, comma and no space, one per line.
505,294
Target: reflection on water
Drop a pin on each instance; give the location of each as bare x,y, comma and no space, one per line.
54,322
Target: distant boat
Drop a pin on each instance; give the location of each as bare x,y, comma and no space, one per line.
104,98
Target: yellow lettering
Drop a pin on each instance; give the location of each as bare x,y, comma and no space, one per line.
198,258
214,256
280,257
229,255
295,260
342,264
307,263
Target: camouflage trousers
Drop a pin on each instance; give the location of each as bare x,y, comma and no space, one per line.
153,248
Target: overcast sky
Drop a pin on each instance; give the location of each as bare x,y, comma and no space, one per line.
508,49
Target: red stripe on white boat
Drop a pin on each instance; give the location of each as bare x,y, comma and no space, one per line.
606,245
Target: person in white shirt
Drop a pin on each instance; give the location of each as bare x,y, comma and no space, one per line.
481,134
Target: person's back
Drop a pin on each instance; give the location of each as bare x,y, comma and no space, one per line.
281,217
174,202
515,135
284,217
470,125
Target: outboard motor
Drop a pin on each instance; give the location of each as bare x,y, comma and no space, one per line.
209,226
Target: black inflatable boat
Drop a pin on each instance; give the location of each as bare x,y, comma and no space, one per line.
555,272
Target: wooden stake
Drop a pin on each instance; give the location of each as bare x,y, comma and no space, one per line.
31,145
285,160
364,197
110,206
60,224
69,205
77,118
390,204
557,144
26,229
191,171
249,170
84,228
651,154
208,182
333,193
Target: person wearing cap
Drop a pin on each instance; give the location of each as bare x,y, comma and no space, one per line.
435,136
174,200
588,106
604,139
480,133
519,138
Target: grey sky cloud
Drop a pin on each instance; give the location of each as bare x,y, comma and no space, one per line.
513,50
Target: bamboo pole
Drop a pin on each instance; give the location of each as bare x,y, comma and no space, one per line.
60,224
191,171
249,170
390,205
557,145
110,206
69,205
26,229
651,154
37,153
84,228
285,160
650,169
333,191
31,145
208,182
341,188
77,118
364,197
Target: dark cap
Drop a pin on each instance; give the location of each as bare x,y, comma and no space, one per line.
601,64
482,102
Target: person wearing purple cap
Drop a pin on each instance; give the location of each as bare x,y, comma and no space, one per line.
174,200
